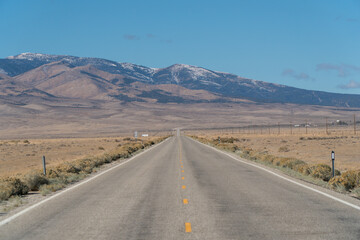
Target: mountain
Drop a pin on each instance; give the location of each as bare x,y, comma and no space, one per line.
19,64
72,78
62,76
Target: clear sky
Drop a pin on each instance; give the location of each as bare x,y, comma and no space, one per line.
312,44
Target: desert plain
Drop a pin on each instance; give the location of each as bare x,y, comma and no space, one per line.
62,131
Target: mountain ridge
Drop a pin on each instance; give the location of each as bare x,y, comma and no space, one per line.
102,79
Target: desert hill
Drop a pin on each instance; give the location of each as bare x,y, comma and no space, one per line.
94,78
58,95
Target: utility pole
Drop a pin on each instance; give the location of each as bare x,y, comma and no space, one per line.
291,119
354,125
326,124
278,128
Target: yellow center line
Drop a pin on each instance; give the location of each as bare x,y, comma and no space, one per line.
185,201
187,227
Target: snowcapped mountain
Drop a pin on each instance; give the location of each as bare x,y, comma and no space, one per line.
105,79
30,56
16,65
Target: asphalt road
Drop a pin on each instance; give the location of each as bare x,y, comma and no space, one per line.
185,190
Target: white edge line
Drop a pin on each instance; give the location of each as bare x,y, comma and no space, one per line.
284,178
7,220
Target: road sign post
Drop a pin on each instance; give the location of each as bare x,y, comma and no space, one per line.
333,163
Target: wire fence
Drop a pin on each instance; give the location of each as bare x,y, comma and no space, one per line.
327,127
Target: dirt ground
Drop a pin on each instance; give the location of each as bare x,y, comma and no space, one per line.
19,156
114,119
313,147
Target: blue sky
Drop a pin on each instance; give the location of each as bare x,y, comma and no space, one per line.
311,44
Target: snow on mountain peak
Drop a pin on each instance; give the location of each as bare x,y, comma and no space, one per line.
128,66
196,72
139,71
28,56
42,57
134,67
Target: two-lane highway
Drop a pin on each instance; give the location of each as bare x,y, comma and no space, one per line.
182,189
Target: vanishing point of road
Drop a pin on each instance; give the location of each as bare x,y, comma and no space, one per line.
182,189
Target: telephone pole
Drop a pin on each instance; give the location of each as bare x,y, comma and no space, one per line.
278,128
354,125
326,124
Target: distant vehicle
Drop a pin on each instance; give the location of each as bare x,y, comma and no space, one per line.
145,135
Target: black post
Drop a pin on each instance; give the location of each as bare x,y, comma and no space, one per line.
278,128
44,164
326,125
354,124
333,163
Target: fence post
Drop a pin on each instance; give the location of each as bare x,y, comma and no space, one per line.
44,164
333,163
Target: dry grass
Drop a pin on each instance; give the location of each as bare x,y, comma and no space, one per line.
19,156
66,172
13,202
313,148
83,118
307,154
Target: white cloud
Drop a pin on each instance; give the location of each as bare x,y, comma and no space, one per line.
343,70
298,76
350,85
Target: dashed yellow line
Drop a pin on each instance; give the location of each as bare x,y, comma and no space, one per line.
185,200
187,227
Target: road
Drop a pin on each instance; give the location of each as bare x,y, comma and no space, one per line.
182,189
